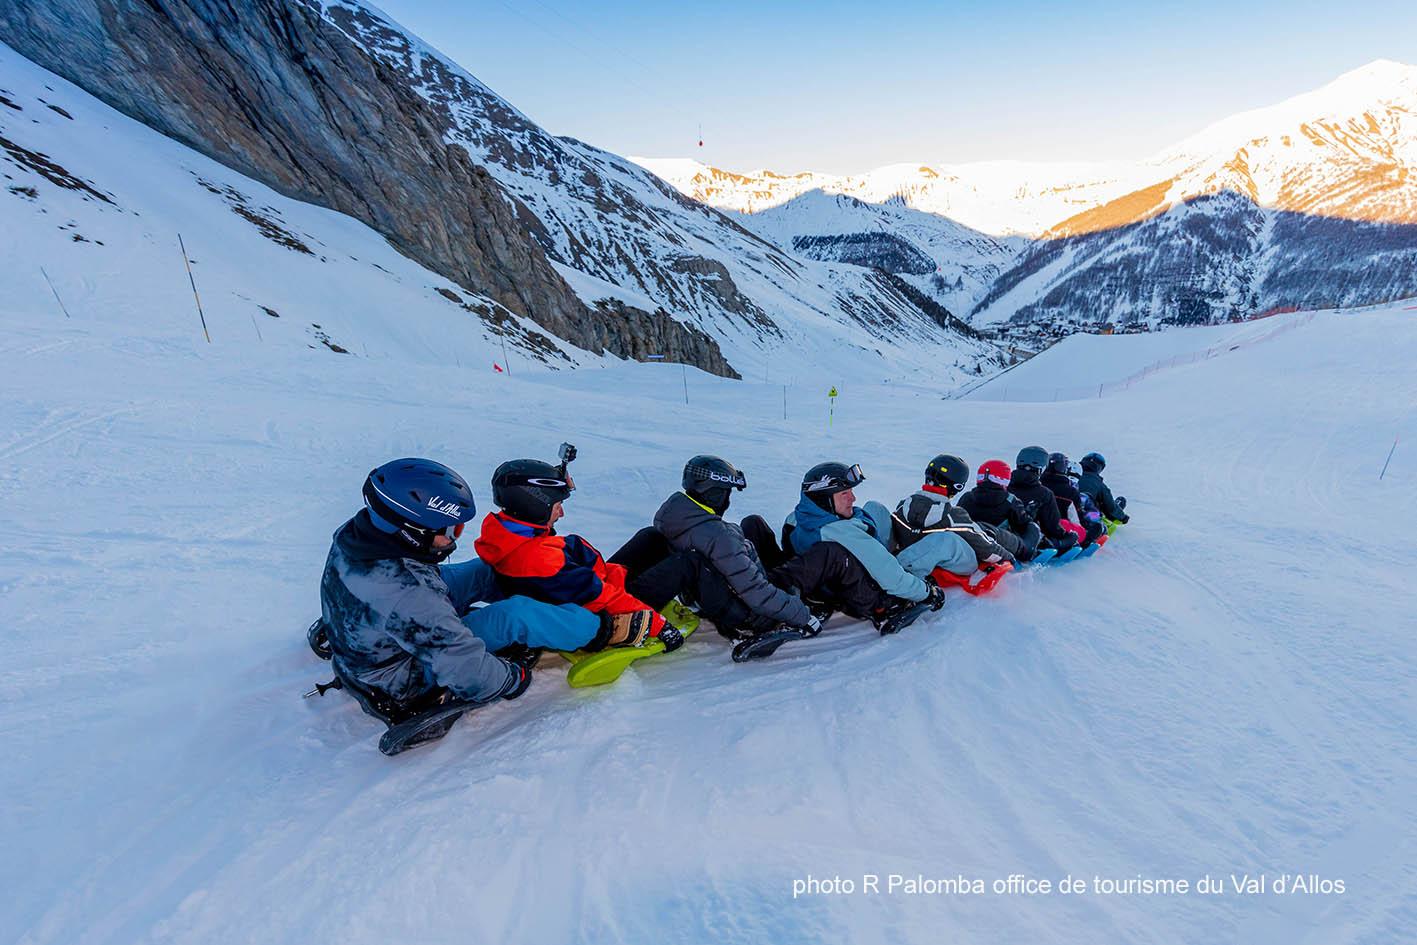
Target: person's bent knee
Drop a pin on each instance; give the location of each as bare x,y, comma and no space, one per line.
533,623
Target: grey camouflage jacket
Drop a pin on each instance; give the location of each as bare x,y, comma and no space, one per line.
392,624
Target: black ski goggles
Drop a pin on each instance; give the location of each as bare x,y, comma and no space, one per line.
852,477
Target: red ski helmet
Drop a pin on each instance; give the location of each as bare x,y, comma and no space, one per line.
996,471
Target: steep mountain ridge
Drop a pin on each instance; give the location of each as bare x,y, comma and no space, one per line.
1246,216
335,105
637,238
950,262
1310,203
266,88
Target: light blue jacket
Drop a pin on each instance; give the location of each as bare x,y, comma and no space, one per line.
866,535
940,549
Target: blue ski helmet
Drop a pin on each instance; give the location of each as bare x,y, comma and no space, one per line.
1094,463
417,499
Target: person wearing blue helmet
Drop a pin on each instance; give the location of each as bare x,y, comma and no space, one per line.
397,620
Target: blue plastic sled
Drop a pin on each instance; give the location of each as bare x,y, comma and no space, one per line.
1043,557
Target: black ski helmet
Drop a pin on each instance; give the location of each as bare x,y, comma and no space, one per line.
825,480
1094,463
417,499
1058,463
1030,464
526,489
711,480
1035,456
948,471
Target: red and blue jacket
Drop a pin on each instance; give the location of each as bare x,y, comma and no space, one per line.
533,561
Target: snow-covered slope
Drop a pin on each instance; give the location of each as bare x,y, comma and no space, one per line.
256,251
608,218
1228,688
94,202
1087,365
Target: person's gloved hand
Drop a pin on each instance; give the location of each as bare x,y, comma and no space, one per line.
934,594
671,637
519,681
813,626
1066,542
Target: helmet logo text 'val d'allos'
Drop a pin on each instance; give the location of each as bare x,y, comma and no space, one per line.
448,508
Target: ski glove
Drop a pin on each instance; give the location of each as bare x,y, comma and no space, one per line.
518,683
671,637
813,626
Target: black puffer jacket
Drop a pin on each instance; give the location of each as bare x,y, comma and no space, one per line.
688,526
1069,501
993,505
1042,504
1092,484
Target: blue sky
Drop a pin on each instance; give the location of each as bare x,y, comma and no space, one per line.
847,87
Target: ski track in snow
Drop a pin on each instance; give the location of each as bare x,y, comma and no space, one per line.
1228,687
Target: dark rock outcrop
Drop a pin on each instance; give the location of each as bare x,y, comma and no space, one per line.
271,89
879,250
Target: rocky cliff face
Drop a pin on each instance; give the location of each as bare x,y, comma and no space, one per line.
612,220
272,89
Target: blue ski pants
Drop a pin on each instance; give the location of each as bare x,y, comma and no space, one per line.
507,620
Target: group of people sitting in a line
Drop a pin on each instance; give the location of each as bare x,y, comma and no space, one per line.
404,634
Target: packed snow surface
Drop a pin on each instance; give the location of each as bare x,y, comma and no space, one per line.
1085,365
1229,687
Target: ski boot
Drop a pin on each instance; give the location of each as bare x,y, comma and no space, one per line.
521,654
899,614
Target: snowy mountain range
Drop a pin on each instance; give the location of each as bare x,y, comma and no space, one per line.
342,108
1309,203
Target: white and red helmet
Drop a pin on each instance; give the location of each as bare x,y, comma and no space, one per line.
996,471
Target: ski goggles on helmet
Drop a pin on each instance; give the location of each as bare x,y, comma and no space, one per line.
830,482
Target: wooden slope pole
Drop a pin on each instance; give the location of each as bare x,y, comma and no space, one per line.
188,263
56,293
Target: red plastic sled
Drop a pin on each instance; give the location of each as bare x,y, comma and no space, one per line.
978,583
